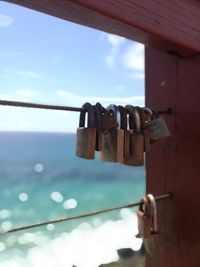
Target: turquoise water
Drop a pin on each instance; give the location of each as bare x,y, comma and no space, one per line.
41,179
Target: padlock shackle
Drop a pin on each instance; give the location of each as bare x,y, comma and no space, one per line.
152,201
143,203
87,108
98,109
149,115
116,114
138,121
123,117
145,118
130,112
155,113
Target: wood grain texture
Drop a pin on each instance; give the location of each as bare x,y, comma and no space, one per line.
167,25
173,165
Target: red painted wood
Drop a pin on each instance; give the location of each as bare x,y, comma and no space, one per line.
173,165
167,25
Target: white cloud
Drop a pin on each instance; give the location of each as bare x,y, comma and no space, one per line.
22,74
25,93
26,74
21,95
133,58
136,75
36,120
110,60
116,42
5,21
25,119
73,99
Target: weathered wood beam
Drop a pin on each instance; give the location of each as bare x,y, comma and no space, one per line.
172,26
172,165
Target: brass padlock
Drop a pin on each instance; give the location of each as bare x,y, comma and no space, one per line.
113,140
144,219
135,139
157,128
86,136
98,124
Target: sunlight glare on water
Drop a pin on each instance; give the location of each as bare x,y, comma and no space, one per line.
70,204
23,197
39,167
57,197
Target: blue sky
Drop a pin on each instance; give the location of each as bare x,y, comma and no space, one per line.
48,60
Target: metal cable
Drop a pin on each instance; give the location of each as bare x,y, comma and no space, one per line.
84,215
54,107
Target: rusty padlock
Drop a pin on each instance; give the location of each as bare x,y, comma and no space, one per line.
147,217
135,140
113,140
149,243
127,122
144,219
107,121
147,116
153,211
139,138
98,124
157,128
123,126
86,136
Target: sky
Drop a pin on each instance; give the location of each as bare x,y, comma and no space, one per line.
47,60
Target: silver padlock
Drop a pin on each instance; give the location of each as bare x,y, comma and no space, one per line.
149,243
157,128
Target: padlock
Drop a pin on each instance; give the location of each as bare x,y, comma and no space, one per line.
153,210
144,219
157,128
128,133
123,126
104,122
149,243
113,140
147,116
108,122
98,124
86,136
135,139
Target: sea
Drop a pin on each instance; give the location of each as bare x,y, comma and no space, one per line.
41,179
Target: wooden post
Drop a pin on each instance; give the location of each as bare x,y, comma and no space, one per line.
173,165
